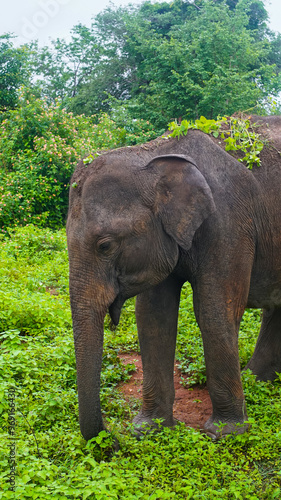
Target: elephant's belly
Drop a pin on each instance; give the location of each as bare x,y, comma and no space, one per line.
265,295
265,286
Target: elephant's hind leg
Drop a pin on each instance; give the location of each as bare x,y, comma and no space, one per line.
266,360
157,315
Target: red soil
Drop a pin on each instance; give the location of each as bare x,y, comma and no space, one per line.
192,405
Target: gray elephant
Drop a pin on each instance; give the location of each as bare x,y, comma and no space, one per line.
145,219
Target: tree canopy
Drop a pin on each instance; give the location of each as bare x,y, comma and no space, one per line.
159,62
13,71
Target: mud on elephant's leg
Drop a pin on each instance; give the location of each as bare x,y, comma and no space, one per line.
219,327
157,315
266,360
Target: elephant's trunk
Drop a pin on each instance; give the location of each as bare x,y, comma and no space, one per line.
89,303
88,339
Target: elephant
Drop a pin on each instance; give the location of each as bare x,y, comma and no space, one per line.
145,219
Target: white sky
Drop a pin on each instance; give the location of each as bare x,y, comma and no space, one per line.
45,19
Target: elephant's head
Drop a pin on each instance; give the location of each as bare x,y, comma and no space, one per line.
125,227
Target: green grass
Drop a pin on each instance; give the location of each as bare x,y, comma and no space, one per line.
37,358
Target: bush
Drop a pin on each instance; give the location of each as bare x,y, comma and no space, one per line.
34,274
40,145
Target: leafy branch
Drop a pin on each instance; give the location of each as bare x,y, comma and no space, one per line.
237,132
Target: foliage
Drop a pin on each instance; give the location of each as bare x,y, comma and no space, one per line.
13,71
237,132
37,358
157,61
163,61
33,273
214,66
62,67
40,145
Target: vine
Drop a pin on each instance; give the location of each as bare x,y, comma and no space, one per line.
236,132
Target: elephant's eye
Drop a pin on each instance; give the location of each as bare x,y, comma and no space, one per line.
104,246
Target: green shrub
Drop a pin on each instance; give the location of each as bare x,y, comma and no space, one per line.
34,277
40,146
31,243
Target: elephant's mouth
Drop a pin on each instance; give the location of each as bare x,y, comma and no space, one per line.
115,309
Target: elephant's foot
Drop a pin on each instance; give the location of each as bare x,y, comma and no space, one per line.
264,372
218,429
146,422
266,360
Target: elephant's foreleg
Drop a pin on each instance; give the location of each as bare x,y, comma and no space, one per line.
266,360
218,314
157,315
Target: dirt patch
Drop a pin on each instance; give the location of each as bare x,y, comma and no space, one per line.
52,291
192,405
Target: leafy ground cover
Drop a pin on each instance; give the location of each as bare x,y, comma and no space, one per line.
37,359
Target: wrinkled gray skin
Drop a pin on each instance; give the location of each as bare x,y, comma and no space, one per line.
145,219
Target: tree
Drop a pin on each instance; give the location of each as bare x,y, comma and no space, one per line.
162,61
13,71
211,64
61,68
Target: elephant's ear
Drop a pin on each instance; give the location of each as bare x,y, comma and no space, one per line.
182,197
